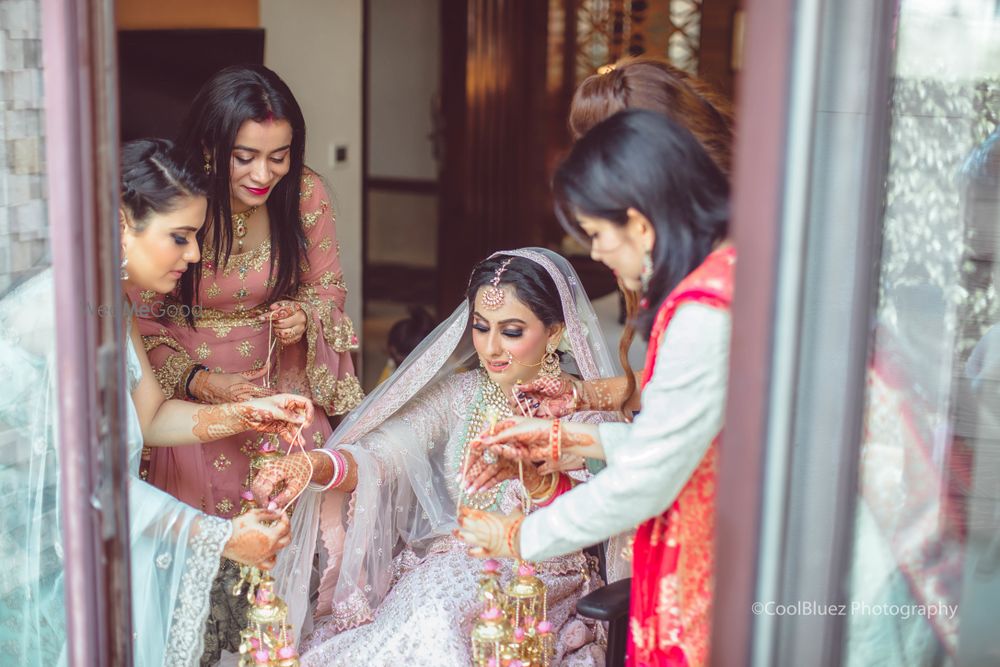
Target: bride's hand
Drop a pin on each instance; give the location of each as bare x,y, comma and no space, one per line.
482,475
491,534
258,536
517,438
548,398
281,480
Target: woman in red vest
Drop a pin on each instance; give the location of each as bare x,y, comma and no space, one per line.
653,206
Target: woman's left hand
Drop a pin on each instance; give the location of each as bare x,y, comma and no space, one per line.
289,321
490,534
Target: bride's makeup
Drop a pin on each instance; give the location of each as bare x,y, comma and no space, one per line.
510,340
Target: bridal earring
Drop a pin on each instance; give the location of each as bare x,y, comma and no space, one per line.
550,363
647,271
124,273
207,166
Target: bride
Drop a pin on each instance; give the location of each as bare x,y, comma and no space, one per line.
396,586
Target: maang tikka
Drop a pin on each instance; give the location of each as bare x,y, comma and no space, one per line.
493,297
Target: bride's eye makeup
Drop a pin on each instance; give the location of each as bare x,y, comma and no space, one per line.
483,327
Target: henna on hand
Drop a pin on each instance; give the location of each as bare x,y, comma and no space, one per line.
519,438
216,388
566,463
548,398
290,321
482,475
489,533
215,422
283,479
606,394
572,438
557,397
257,537
281,414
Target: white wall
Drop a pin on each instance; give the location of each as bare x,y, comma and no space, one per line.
404,67
316,47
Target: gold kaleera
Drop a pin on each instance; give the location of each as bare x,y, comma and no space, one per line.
267,641
513,629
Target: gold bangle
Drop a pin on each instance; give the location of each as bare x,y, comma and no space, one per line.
548,489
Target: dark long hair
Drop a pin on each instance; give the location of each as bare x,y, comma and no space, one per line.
531,282
231,97
643,160
155,179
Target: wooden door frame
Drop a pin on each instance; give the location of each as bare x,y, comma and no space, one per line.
81,139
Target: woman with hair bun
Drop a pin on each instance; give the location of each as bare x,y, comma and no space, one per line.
654,85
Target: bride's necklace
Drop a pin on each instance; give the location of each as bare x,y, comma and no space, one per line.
492,404
240,225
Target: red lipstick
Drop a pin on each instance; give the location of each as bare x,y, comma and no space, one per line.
260,192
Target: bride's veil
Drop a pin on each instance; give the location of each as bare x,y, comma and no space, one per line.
445,351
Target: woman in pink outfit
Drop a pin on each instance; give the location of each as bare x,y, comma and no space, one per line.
264,310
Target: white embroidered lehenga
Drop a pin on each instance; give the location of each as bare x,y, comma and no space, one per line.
396,587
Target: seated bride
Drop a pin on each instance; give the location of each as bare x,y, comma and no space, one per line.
396,586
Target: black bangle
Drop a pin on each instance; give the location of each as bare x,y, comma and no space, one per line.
194,371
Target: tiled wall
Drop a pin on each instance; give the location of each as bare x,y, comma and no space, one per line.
24,245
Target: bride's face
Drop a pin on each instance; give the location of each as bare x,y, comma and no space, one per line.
510,340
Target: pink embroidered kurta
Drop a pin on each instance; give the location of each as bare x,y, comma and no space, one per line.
228,337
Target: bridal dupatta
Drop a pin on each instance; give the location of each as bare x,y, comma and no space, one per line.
413,502
674,553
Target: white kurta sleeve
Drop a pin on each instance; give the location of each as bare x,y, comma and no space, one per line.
651,459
